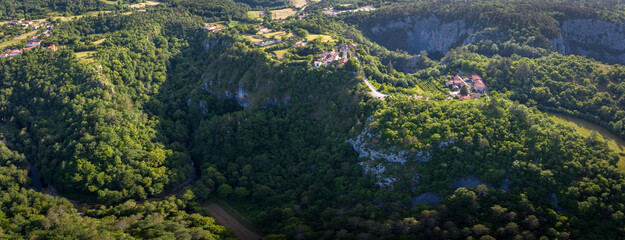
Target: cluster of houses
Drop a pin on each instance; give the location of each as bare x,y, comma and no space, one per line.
21,23
300,44
29,24
326,58
475,86
266,42
32,43
213,28
331,11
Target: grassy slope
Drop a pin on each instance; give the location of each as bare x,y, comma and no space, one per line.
86,56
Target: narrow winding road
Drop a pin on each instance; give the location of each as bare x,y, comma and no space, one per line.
375,92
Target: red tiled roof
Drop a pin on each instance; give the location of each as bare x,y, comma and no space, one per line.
218,28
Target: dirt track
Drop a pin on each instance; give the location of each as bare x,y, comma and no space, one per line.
222,217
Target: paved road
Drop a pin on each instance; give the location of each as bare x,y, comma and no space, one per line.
374,92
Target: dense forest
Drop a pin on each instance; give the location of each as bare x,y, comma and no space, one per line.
129,121
34,9
25,213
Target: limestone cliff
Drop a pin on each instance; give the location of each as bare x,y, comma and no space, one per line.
598,39
432,34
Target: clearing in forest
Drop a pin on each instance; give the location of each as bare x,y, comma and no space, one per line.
224,24
109,2
227,216
585,128
255,15
252,38
280,53
278,34
298,3
283,13
146,3
324,38
99,41
604,67
86,56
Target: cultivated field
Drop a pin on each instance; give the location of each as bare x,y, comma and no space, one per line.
585,128
324,38
283,13
298,3
146,3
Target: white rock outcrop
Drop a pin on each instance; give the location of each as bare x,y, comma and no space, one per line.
378,160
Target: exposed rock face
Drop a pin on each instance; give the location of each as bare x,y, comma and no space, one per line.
415,34
366,147
378,161
598,39
242,99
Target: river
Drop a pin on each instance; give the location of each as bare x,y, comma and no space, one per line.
585,128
